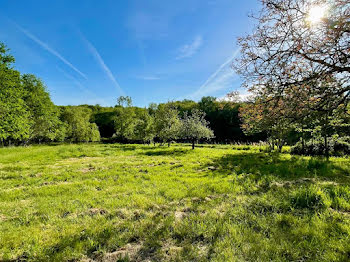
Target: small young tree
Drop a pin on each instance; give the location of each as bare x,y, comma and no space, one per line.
195,127
167,123
124,101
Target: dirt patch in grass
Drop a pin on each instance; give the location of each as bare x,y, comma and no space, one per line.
170,250
96,211
124,213
179,215
130,251
87,169
302,181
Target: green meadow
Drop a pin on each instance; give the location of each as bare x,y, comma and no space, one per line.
112,202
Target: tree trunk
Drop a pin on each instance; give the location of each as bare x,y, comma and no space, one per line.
325,138
169,144
326,146
192,143
280,146
302,142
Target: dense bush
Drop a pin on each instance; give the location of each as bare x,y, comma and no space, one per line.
336,147
78,126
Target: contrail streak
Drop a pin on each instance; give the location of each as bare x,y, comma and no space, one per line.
103,65
50,50
200,90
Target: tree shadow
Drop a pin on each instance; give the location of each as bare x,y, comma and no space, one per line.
166,152
279,166
123,147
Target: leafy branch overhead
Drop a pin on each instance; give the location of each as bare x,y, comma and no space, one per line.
290,48
296,63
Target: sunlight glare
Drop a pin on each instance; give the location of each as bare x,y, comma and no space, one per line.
316,14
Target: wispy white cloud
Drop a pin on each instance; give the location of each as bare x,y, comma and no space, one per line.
222,78
103,65
189,50
148,78
49,49
242,97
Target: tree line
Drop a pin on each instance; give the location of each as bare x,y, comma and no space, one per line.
172,121
161,123
27,116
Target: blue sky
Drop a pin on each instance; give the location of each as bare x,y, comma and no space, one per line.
89,51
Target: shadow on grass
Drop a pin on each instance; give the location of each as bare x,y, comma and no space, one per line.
166,152
280,166
123,147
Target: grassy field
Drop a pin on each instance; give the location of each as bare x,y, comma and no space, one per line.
143,203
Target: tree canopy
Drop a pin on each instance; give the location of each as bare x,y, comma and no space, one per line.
46,125
167,123
15,118
289,49
78,126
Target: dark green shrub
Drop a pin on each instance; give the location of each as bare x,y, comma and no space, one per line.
336,147
341,147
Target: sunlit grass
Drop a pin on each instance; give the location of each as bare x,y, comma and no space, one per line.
133,202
